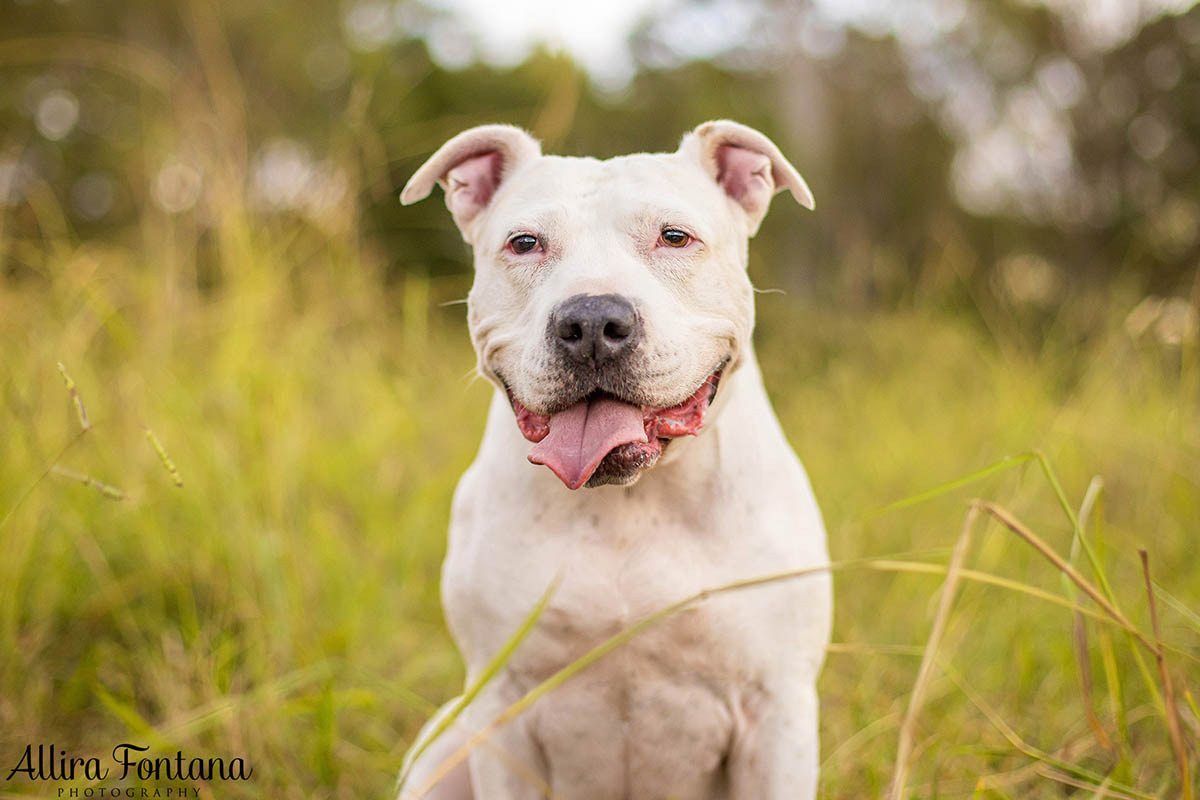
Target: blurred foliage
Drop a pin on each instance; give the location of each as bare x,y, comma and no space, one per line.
164,108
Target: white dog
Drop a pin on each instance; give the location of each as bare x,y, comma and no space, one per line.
610,300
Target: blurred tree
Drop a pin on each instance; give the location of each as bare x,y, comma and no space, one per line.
954,148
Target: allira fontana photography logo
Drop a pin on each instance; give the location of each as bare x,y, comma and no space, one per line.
128,762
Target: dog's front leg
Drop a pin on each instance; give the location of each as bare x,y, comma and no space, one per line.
420,772
508,765
775,756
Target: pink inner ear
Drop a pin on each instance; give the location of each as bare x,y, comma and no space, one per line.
471,184
745,175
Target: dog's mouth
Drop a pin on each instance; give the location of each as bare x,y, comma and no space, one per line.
602,439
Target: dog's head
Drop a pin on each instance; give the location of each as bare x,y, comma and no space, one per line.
609,296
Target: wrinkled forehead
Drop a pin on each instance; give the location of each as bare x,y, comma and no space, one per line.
554,190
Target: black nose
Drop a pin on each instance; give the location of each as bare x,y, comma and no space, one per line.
595,328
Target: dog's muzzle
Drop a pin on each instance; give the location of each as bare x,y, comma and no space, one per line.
602,439
604,429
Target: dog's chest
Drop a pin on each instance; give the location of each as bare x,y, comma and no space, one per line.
666,704
616,570
603,591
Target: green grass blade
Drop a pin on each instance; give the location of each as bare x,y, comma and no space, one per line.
1019,743
945,488
1177,605
493,668
128,715
1077,530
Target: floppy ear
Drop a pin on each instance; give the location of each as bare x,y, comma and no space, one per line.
747,165
470,168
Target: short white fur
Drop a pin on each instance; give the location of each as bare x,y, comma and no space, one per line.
719,701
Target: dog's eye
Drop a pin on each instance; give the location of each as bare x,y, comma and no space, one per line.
522,243
673,237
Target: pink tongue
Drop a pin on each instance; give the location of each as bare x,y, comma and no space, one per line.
582,435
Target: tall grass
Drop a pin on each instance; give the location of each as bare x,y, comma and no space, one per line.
282,603
257,576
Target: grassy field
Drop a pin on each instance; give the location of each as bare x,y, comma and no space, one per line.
281,605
